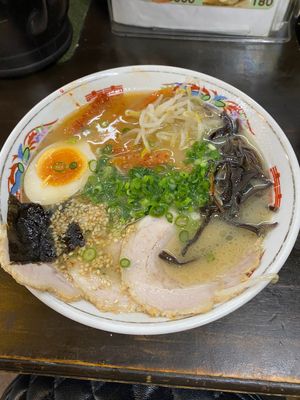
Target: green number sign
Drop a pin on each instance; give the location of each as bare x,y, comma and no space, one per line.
262,3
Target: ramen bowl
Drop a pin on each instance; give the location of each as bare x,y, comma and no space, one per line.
25,139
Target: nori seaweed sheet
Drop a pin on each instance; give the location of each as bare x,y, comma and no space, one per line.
73,237
29,233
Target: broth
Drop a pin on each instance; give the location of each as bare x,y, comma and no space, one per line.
221,246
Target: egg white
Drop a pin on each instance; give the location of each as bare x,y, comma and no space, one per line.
39,192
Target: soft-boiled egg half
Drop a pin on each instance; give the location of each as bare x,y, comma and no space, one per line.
57,172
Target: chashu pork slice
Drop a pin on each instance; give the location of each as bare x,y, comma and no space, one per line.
104,292
157,293
43,276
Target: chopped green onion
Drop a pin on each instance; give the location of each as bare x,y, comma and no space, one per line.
89,254
73,165
93,165
103,161
107,149
137,214
200,162
124,263
182,221
169,217
93,180
145,203
168,198
145,191
107,171
211,146
157,211
59,166
104,124
184,236
136,183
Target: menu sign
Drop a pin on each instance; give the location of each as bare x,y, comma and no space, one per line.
243,18
261,4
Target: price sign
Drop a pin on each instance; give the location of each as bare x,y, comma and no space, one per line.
262,3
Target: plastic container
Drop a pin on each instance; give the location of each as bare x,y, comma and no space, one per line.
221,20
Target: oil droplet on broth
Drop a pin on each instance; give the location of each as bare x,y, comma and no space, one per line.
220,248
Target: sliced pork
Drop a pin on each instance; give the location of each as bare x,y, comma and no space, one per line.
43,276
104,291
156,292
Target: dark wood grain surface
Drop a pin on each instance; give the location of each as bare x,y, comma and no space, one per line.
256,348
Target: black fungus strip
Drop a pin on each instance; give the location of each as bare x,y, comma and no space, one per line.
250,190
29,236
171,259
239,174
258,229
236,177
198,232
246,179
230,127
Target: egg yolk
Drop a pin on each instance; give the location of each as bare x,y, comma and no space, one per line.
58,167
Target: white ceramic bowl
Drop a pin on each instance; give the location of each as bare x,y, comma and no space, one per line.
270,139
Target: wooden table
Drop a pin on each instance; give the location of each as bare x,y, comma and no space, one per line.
255,349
